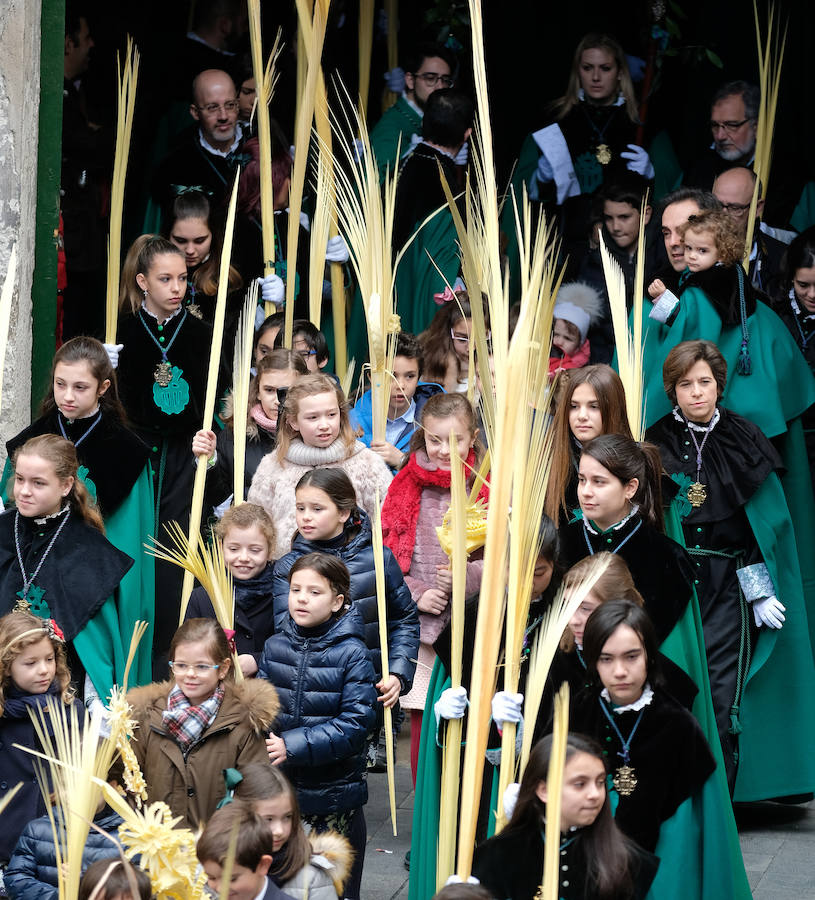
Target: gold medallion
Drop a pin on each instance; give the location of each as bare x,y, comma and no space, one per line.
603,154
195,310
697,494
163,374
625,781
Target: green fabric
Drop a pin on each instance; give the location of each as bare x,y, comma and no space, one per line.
697,856
399,121
667,170
417,278
427,799
804,213
99,647
128,529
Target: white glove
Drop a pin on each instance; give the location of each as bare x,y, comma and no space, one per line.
272,289
457,879
451,704
506,707
510,799
395,80
463,155
638,161
113,351
769,611
336,250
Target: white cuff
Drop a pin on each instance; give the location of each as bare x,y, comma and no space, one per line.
664,307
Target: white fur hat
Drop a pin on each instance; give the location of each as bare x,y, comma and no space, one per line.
580,304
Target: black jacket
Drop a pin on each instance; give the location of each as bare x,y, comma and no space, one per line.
358,556
325,684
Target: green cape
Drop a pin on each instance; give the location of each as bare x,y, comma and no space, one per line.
399,121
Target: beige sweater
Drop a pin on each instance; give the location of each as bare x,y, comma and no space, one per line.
274,482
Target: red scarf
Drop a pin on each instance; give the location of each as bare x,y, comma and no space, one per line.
577,360
400,512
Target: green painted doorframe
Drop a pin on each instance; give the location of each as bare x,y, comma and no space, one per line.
49,163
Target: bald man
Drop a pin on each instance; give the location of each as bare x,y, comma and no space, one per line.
207,152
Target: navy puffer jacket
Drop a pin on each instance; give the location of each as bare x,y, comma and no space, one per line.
358,556
32,871
325,684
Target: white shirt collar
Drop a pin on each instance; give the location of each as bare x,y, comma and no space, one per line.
224,153
645,699
149,313
412,105
409,415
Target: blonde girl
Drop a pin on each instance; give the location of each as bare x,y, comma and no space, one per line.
314,431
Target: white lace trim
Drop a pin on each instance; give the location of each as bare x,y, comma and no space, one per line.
645,699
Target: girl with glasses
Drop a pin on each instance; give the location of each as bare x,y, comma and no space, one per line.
446,343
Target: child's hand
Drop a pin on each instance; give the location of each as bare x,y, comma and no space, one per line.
656,289
390,691
444,579
276,749
203,443
433,601
388,452
248,665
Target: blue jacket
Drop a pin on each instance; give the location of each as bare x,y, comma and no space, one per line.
358,556
325,684
32,871
362,416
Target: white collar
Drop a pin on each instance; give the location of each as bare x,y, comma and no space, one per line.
581,95
591,528
151,313
695,426
262,892
439,149
223,153
412,105
43,519
409,415
645,699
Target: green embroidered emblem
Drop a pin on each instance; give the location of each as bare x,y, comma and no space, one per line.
32,601
82,474
589,172
174,397
684,482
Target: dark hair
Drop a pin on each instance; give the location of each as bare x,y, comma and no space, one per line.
625,187
606,619
436,339
329,567
236,821
703,199
427,50
409,346
75,12
610,393
91,351
197,205
260,781
464,892
311,334
749,93
447,116
276,320
340,490
442,406
139,260
626,459
799,255
116,878
608,852
684,356
209,632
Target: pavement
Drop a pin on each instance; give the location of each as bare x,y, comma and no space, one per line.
777,841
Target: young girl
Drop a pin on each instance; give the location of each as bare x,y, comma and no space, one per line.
446,343
247,537
194,227
596,859
275,374
192,728
592,404
107,880
56,562
315,431
661,764
33,667
162,367
415,506
323,672
329,521
577,307
265,335
306,867
82,404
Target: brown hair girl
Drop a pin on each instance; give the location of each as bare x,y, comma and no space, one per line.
310,386
210,633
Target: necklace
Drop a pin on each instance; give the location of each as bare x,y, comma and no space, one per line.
625,779
697,494
31,595
192,307
622,543
171,392
602,151
95,422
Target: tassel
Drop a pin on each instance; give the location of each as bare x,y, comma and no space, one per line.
745,364
735,725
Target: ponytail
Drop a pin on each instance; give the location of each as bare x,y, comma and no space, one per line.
139,259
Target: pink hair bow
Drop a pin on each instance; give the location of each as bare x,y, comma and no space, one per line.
445,297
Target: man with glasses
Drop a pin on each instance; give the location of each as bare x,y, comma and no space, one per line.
431,67
208,152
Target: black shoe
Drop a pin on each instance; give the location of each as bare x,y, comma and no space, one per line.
407,860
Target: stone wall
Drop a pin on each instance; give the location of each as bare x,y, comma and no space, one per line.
19,106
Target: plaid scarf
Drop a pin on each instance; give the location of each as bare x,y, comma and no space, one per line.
185,722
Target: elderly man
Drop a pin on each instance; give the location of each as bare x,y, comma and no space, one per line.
208,152
430,67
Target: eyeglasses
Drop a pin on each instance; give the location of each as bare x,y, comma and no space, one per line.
728,127
459,338
306,353
737,208
431,79
179,668
212,109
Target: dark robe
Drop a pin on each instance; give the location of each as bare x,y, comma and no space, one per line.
661,569
669,754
